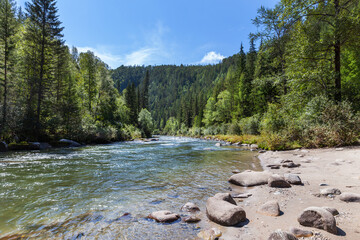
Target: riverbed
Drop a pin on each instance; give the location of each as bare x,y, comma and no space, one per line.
107,191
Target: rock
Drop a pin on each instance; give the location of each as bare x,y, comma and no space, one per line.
318,218
323,184
236,171
277,181
262,151
300,233
350,197
250,178
333,211
3,147
24,146
241,195
218,145
280,235
44,146
290,164
210,234
292,179
222,209
190,207
70,143
164,216
270,208
254,146
192,219
330,191
274,166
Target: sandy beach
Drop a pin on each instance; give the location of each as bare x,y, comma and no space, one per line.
320,168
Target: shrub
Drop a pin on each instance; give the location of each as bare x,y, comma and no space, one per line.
250,125
272,121
234,129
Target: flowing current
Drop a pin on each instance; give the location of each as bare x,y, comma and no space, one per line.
107,191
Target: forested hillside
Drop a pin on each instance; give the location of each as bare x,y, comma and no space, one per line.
297,85
48,91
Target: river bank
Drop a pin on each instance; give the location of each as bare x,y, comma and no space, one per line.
319,169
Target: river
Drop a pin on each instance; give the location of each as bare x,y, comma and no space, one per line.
85,192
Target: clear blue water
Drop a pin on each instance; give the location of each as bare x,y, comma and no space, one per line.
83,193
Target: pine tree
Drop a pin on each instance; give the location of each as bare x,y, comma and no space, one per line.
8,28
44,32
145,91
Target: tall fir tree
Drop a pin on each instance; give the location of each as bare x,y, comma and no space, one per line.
8,28
145,91
44,33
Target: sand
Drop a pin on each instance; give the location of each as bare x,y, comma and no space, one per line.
335,168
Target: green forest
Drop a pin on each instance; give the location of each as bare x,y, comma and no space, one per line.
298,85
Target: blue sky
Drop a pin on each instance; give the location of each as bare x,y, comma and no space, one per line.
155,32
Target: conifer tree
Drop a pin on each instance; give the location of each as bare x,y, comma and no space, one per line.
44,33
8,28
145,91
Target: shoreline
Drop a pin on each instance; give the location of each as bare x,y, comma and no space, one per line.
332,167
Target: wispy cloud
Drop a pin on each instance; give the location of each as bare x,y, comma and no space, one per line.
153,51
212,58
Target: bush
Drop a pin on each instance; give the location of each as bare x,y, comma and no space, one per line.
272,121
250,125
234,129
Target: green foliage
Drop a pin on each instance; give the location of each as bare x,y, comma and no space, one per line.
146,123
172,126
250,125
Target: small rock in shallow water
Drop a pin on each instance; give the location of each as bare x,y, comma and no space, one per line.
190,207
236,171
280,235
192,219
210,234
218,144
300,233
164,216
241,195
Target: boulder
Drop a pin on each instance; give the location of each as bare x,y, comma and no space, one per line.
3,147
333,211
164,216
292,179
250,178
350,197
280,235
274,166
270,208
70,143
191,219
241,195
254,146
44,146
190,207
330,191
222,209
318,218
210,234
300,233
290,165
276,181
236,171
218,144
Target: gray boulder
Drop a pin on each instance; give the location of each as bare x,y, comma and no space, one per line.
210,234
222,209
292,179
318,218
270,208
276,181
280,235
333,211
44,146
3,147
300,233
164,216
330,191
70,143
350,197
191,219
190,207
250,178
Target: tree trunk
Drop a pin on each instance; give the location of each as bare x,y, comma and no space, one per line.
337,52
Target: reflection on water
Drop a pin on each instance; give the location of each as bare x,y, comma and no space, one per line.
107,191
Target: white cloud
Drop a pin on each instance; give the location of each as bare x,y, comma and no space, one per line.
153,51
212,58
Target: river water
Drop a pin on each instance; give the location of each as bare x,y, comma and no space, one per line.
83,193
